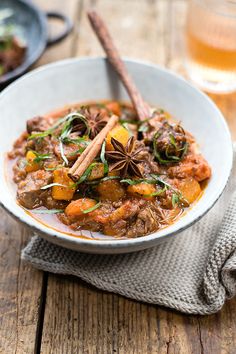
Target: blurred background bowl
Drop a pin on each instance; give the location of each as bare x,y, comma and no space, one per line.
34,26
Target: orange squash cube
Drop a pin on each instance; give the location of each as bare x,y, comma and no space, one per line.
142,190
60,176
114,107
119,133
77,207
190,189
111,190
31,164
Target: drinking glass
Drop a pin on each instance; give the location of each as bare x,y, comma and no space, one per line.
211,44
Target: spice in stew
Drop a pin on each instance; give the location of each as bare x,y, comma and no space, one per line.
141,179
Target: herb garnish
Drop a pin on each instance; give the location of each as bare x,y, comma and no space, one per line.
68,119
92,208
177,197
86,173
169,143
107,178
47,211
103,158
61,148
133,182
40,157
47,186
53,168
143,126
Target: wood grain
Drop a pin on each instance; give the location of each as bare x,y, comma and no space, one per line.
20,291
122,17
79,318
90,321
63,49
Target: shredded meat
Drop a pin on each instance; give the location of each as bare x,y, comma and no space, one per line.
38,124
116,207
29,193
193,165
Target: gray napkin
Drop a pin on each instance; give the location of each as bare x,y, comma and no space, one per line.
194,272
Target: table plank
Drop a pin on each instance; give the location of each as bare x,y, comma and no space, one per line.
20,291
80,318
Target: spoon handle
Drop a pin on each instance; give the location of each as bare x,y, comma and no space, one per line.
100,29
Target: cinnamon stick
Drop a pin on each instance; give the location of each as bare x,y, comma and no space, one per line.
100,29
89,154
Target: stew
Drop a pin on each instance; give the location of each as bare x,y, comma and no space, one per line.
96,167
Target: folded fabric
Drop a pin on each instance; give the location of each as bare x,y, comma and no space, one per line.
193,272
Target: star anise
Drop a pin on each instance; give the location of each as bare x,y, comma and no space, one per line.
90,123
125,158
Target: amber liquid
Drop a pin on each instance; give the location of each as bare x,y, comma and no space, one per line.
208,55
211,47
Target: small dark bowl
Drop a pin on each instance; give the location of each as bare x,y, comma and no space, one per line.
34,24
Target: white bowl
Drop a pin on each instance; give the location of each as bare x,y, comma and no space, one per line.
75,80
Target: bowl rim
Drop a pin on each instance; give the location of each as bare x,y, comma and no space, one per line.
109,244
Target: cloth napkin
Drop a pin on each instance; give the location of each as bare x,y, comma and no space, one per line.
194,272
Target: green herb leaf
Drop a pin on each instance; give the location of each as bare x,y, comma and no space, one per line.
172,140
133,182
86,173
159,180
103,158
47,211
40,135
65,130
52,168
170,158
62,153
129,121
79,151
92,208
52,185
143,128
175,199
157,193
40,157
102,180
78,141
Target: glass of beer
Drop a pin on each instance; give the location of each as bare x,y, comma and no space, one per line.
211,44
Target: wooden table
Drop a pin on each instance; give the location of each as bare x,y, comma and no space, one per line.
49,313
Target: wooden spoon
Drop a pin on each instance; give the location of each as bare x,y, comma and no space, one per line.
141,107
